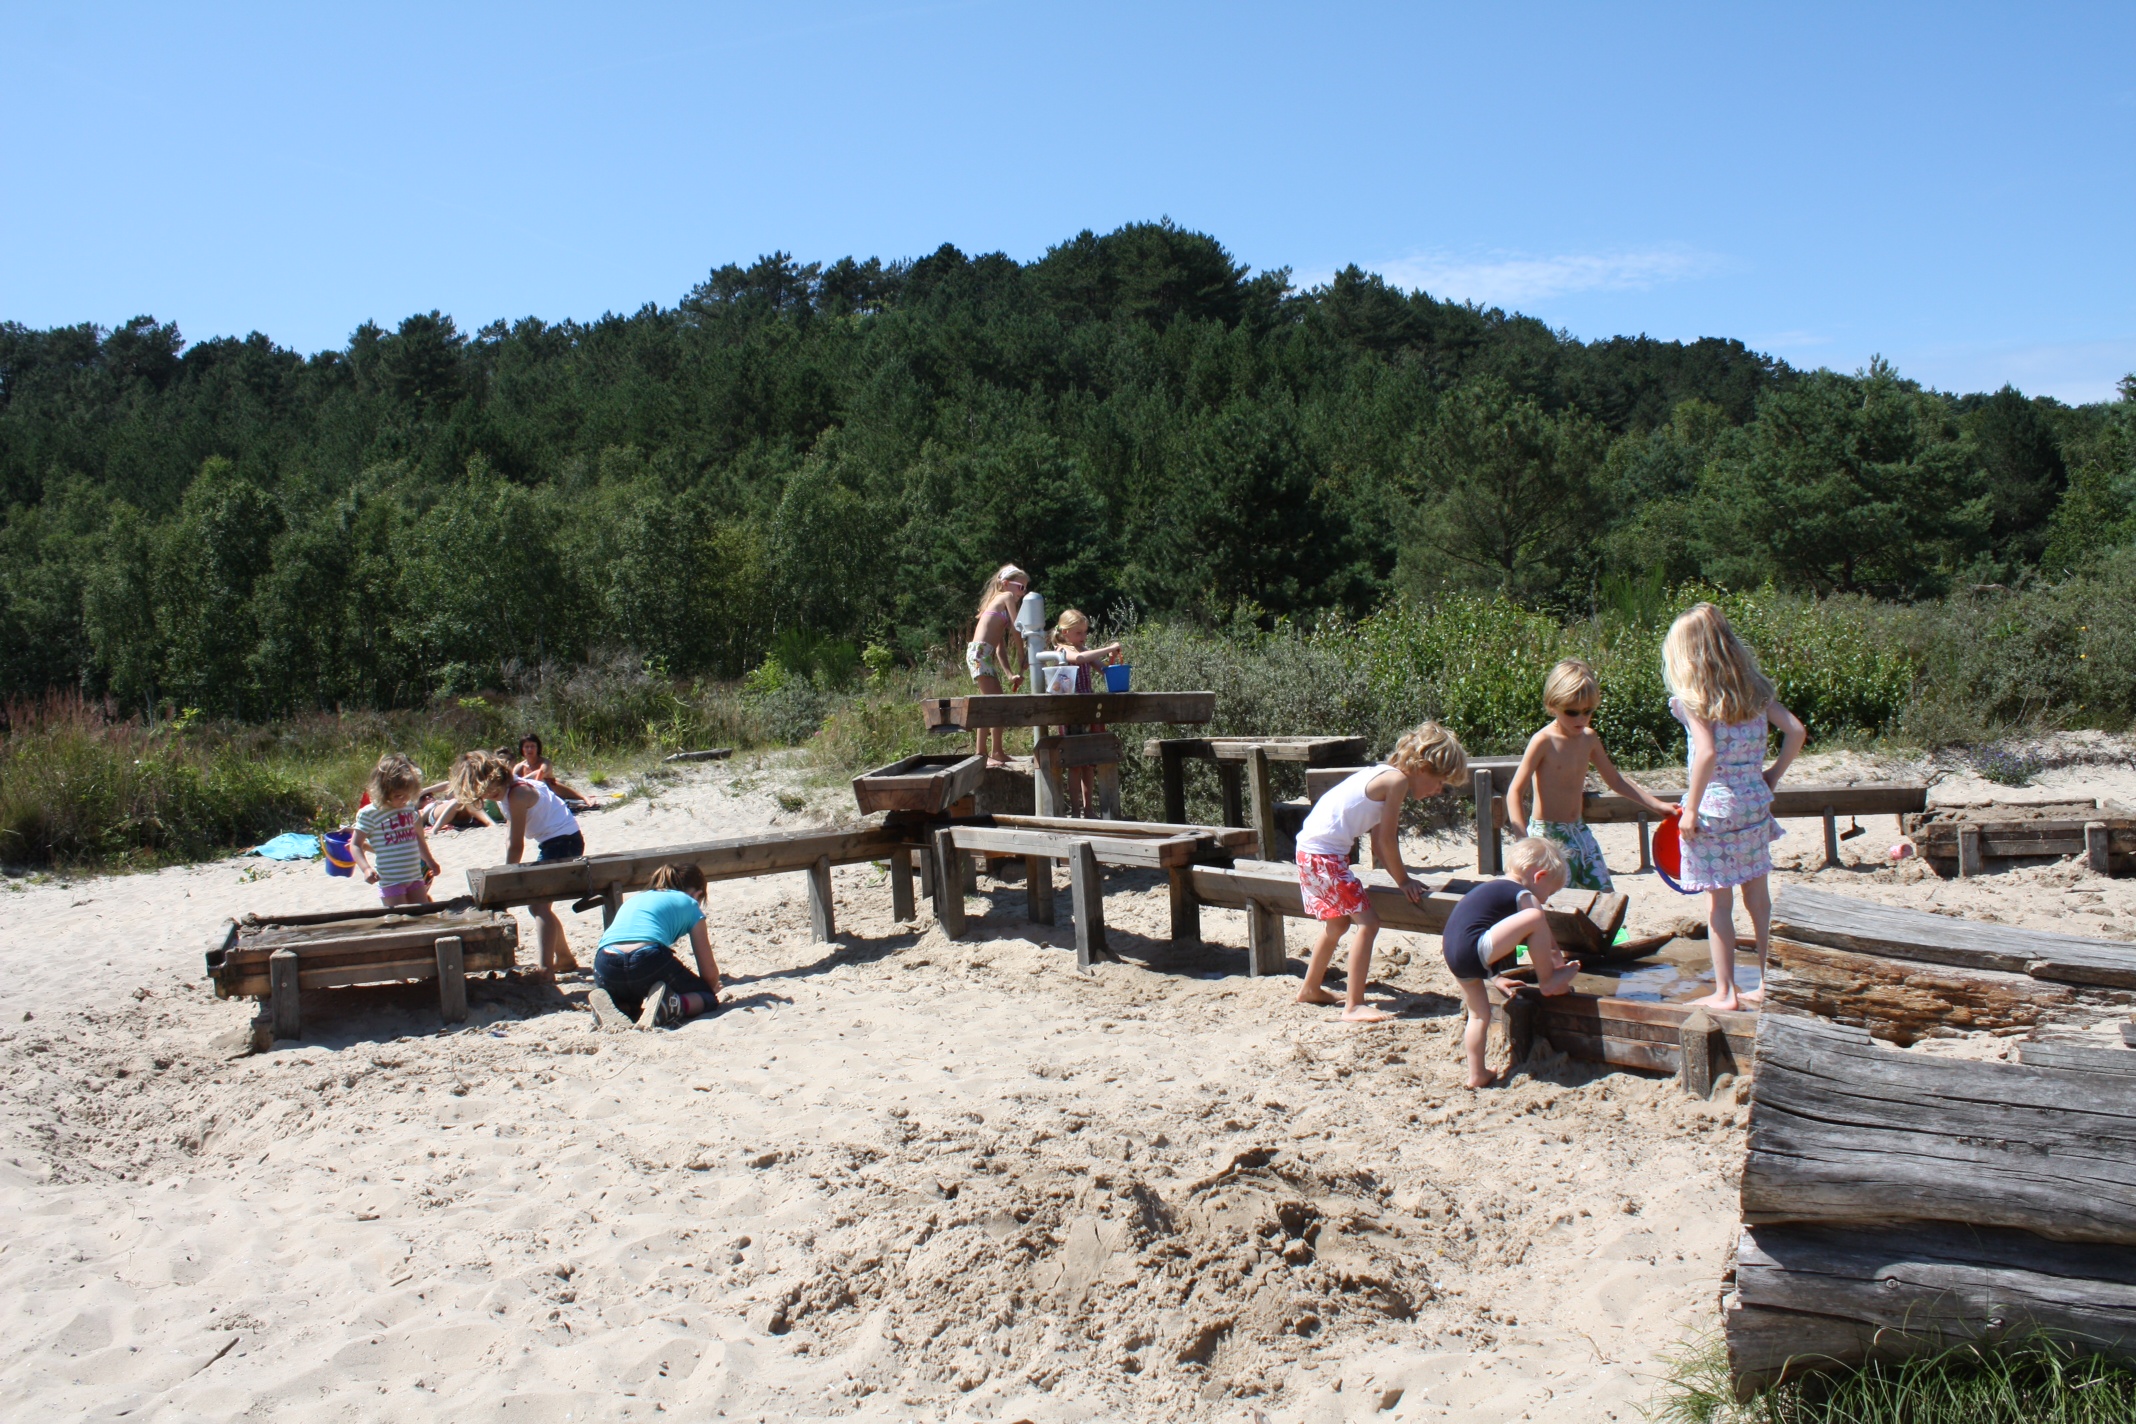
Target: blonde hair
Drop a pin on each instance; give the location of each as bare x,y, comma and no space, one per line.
1712,670
1533,859
1000,581
1430,747
680,875
1070,618
393,775
1571,687
475,773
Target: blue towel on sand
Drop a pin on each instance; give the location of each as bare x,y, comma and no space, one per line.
290,845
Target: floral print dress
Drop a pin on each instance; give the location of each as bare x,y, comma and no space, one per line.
1735,821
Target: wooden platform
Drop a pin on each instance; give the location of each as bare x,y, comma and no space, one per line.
277,961
1961,841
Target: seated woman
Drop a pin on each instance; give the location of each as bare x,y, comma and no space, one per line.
533,765
636,964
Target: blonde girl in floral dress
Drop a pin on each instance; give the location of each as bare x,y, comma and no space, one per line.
1727,826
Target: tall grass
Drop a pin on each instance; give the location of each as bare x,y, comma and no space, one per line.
2040,1382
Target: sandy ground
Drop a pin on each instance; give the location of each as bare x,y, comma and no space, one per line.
897,1178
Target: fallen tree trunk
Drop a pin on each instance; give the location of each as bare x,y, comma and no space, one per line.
1843,922
1905,1000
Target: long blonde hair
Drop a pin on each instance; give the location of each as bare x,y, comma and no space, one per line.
393,775
475,773
1070,618
1000,581
1712,670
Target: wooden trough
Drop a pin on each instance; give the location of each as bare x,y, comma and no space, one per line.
1963,841
1896,1204
928,784
278,959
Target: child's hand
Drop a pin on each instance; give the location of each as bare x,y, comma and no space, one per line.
1413,890
370,877
1015,681
1687,821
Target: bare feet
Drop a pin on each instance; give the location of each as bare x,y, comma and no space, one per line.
1317,996
1365,1013
1725,1000
1752,996
1490,1080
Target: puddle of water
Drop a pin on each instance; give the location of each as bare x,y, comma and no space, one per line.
1663,982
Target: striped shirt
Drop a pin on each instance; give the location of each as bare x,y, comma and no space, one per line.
395,852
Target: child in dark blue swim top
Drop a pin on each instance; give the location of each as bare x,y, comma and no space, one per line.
636,965
1490,923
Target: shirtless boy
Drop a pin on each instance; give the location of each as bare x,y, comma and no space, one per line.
1556,762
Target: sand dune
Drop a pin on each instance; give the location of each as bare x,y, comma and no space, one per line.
896,1178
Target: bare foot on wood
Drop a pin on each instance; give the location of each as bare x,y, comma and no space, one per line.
1317,996
1365,1013
1724,1000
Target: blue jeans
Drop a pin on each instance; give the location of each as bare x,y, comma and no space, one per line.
628,974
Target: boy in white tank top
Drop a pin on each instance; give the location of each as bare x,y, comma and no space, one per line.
1425,762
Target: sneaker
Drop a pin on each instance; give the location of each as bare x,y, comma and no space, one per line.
661,1010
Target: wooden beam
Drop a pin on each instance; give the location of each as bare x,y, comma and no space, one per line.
1230,778
287,999
1633,1033
1137,851
1261,797
1172,772
1903,1001
1843,1131
452,980
1970,862
903,909
1266,952
1186,911
1048,796
2098,850
1838,1293
1231,837
730,859
1059,709
1844,922
1587,929
1694,1038
1038,889
949,884
822,914
1489,860
1087,889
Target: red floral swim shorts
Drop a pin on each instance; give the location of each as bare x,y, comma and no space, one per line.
1332,890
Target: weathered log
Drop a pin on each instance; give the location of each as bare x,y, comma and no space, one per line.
1843,1131
1843,922
1905,1000
1815,1297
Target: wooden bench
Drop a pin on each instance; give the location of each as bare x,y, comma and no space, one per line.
276,959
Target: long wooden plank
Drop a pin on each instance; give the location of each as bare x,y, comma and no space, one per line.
1844,1131
1138,852
1059,709
1943,1282
1843,922
1230,837
1275,884
1602,808
260,985
728,859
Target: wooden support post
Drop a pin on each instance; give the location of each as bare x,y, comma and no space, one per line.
1049,796
2095,846
1186,909
822,921
1831,828
1262,799
1520,1027
949,885
1172,770
1969,859
1038,889
1087,888
452,980
611,902
1646,847
902,908
1265,951
1488,860
282,994
1695,1035
1107,776
1228,778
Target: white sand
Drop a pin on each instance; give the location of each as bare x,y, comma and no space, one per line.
899,1178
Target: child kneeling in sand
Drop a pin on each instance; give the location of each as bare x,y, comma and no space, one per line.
1492,921
636,964
1425,762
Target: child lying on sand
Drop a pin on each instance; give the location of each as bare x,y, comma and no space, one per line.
1492,921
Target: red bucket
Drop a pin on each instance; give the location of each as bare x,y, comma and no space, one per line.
1669,854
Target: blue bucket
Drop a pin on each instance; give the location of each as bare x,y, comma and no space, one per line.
339,860
1116,677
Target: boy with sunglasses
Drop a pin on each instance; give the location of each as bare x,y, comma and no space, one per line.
1557,761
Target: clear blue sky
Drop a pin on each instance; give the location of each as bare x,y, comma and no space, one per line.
1953,186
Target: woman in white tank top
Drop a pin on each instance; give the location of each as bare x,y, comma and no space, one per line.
533,812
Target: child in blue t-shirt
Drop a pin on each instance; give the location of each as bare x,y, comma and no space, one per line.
636,964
